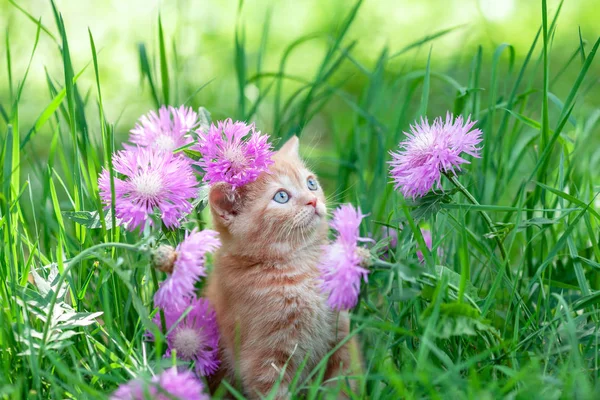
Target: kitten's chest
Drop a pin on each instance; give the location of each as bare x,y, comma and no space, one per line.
299,317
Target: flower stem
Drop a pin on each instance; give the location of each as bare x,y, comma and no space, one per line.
163,321
485,216
380,264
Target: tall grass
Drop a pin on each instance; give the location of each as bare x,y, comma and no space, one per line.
76,296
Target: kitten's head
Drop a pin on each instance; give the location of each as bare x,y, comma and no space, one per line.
281,212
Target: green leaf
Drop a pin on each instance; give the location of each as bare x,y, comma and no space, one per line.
146,72
425,39
430,204
501,230
47,286
164,68
426,85
201,200
458,319
204,118
454,279
587,301
90,219
570,198
539,222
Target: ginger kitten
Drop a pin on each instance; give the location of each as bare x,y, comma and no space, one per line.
264,287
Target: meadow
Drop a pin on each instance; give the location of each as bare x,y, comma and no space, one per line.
504,301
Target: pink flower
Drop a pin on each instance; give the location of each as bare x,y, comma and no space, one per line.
165,131
233,152
195,337
429,243
392,235
431,150
181,385
342,265
149,179
171,384
187,269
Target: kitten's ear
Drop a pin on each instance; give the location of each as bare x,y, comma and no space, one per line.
222,199
290,148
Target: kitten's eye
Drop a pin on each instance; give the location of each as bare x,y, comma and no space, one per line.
312,184
281,197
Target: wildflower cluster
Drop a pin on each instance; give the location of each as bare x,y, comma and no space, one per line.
430,151
152,181
150,177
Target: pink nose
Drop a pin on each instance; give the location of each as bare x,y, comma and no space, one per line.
312,202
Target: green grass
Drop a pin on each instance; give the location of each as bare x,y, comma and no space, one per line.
468,323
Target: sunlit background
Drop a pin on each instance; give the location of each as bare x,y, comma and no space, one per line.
201,33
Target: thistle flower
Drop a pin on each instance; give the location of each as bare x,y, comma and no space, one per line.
426,233
233,152
343,263
195,337
392,235
171,384
185,266
431,150
149,179
181,385
165,131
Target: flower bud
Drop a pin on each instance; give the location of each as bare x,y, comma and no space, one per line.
365,257
163,258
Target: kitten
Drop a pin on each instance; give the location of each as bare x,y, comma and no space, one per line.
264,287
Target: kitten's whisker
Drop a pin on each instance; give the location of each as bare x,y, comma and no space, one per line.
338,194
285,231
312,146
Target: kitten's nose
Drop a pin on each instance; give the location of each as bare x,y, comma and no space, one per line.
312,202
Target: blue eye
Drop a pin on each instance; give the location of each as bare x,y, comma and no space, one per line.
312,184
281,197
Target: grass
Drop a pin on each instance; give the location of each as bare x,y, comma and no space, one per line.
76,291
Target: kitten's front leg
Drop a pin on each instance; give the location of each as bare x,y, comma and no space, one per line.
345,361
262,369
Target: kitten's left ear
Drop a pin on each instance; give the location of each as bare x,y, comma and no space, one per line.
290,148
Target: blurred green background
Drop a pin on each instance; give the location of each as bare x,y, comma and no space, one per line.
202,33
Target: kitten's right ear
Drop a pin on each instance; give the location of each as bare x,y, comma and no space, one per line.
290,148
222,200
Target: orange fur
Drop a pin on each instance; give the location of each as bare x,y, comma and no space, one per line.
264,286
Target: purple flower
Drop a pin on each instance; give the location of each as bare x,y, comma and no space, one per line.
342,265
391,234
426,233
182,385
195,337
431,150
149,179
132,390
187,269
165,131
233,152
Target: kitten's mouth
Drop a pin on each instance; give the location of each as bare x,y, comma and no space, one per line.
310,221
315,218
